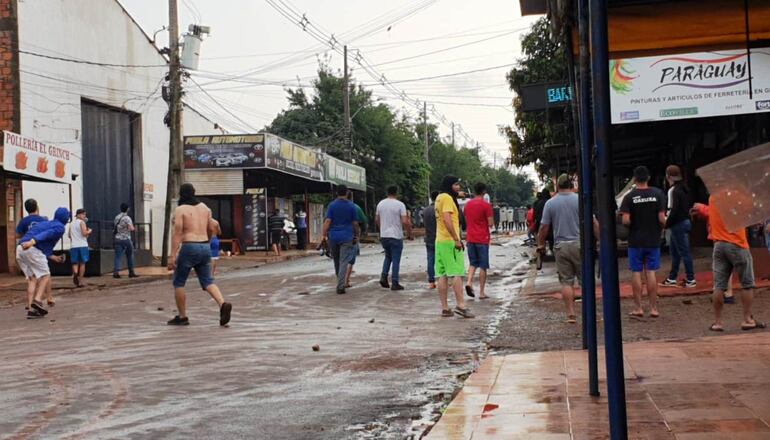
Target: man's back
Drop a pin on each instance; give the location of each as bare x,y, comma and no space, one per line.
477,214
644,205
276,222
195,222
342,214
562,213
390,211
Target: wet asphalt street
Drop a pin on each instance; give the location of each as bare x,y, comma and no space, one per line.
104,365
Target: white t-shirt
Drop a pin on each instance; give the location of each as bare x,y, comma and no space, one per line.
390,212
78,239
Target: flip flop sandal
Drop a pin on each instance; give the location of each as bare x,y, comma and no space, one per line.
571,319
716,328
465,313
483,297
51,303
636,315
757,324
654,315
469,291
447,314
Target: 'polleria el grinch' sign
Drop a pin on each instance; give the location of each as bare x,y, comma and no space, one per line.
28,156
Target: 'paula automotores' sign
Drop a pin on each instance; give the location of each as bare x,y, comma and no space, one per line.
689,85
536,97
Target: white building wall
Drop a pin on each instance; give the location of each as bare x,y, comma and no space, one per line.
51,90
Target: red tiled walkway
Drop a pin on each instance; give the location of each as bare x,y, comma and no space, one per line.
714,388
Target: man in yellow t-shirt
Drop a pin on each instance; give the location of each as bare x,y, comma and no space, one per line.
450,251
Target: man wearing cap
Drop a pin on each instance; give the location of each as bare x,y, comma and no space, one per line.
644,212
561,213
79,233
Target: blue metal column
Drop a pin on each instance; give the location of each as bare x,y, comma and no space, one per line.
586,192
613,336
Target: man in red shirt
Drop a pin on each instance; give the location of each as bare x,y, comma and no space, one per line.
479,217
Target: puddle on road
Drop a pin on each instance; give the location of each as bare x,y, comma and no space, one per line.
442,377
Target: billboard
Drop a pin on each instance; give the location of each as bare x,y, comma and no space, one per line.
255,219
27,156
286,156
343,173
224,151
691,85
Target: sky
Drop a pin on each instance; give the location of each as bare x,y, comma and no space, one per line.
255,51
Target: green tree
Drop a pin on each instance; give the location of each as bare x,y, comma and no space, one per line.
384,145
544,60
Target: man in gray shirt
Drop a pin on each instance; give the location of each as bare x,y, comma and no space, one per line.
392,219
561,213
429,219
122,229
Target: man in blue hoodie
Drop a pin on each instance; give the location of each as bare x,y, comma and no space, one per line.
32,254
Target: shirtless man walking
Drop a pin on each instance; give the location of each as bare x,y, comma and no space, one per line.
190,249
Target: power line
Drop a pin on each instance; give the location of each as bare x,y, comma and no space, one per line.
92,63
447,75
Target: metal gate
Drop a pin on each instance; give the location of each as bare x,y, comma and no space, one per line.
108,164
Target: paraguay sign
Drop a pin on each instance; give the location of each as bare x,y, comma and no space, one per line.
27,156
286,156
693,85
343,173
224,151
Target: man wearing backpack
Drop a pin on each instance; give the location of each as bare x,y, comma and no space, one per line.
122,227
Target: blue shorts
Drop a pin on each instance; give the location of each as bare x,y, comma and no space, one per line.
194,256
79,255
478,255
640,259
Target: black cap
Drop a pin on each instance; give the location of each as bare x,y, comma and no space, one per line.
80,211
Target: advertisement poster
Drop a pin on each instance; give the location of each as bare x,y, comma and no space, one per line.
343,173
692,85
255,219
27,156
286,156
224,151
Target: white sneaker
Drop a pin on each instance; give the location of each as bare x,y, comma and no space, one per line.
690,283
669,283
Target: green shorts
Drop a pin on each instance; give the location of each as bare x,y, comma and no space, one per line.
450,262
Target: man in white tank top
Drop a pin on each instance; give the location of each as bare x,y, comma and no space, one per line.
79,233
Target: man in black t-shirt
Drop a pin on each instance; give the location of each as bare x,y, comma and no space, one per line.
644,211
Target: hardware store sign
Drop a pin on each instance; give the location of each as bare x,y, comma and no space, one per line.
692,85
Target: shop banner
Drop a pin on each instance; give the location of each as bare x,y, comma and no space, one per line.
692,85
286,156
255,219
343,173
224,151
27,156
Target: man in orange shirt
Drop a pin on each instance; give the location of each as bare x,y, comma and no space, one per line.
731,252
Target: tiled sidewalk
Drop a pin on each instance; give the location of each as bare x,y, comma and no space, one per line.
714,388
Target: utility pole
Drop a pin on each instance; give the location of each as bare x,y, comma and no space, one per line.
453,135
175,124
427,147
346,104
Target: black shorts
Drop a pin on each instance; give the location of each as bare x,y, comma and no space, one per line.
275,237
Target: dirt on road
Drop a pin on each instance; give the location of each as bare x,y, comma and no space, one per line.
103,364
